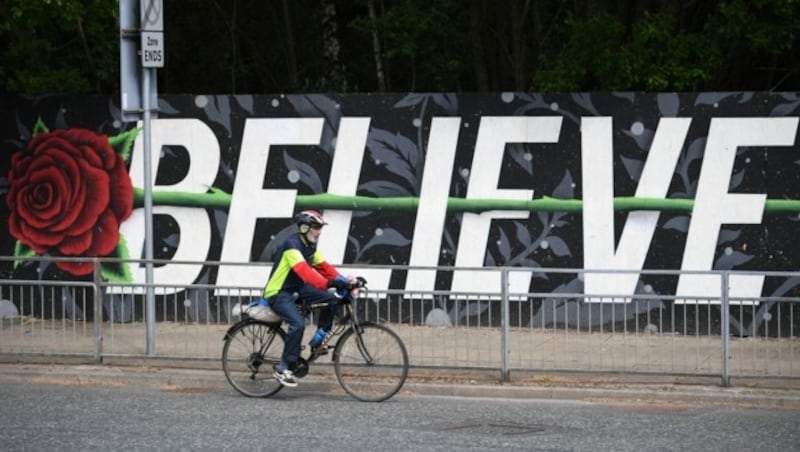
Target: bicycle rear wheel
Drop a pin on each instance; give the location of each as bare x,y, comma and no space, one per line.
251,349
371,366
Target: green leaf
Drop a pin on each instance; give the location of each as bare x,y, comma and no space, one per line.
22,252
123,142
118,271
40,127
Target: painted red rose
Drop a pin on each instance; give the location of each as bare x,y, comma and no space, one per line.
68,193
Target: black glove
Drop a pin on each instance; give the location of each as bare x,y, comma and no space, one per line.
339,284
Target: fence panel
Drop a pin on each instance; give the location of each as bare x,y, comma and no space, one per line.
554,331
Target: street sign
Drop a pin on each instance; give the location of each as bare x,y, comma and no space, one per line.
152,32
152,49
130,67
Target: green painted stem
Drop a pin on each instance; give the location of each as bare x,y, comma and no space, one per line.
217,199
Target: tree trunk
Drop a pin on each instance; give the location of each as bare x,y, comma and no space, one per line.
330,45
290,51
376,49
518,46
477,13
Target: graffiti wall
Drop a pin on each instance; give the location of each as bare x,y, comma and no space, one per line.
630,181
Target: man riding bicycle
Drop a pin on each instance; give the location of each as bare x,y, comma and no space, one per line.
300,273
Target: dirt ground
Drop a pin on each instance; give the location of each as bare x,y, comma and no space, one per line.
535,354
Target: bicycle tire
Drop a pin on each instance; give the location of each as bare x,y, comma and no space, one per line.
372,366
251,349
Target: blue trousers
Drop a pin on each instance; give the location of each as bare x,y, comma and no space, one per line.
284,305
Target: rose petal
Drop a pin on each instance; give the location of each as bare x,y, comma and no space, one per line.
95,200
76,245
36,238
79,268
105,235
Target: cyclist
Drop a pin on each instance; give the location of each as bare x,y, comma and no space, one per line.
300,273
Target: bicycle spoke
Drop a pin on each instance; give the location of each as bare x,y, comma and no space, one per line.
248,355
371,366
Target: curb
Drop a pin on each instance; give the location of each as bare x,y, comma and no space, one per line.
206,380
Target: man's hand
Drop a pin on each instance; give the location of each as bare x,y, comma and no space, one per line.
339,284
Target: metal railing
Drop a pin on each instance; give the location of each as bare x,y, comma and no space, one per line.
559,329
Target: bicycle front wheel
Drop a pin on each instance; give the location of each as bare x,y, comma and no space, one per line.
251,349
371,365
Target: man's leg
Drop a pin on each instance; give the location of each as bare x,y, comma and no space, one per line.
283,305
312,295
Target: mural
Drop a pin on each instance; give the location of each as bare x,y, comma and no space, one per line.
617,181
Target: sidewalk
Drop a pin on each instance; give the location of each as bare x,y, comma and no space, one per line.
597,389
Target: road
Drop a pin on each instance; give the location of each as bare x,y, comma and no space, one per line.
57,415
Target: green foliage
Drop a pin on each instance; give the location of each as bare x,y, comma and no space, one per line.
656,53
123,143
249,46
64,46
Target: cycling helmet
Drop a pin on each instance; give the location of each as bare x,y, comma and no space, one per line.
308,218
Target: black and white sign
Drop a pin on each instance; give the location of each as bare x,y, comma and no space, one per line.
152,26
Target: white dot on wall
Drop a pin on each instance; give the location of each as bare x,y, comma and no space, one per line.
187,302
767,316
499,242
293,176
507,97
117,124
747,160
466,125
201,101
716,105
464,172
164,249
554,106
275,103
527,157
648,288
416,122
379,232
728,251
545,244
637,128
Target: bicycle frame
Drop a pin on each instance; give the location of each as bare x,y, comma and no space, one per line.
364,353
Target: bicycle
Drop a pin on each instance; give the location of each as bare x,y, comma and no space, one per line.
370,359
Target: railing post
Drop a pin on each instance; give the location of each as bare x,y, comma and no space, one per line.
98,312
504,372
724,309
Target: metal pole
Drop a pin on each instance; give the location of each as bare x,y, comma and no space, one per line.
98,313
505,319
150,302
724,304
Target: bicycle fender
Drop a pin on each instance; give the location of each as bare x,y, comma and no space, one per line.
237,324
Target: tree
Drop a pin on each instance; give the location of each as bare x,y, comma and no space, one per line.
65,46
267,46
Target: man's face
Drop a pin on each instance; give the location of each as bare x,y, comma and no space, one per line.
313,233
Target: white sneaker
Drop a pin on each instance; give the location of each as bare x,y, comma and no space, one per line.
285,378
